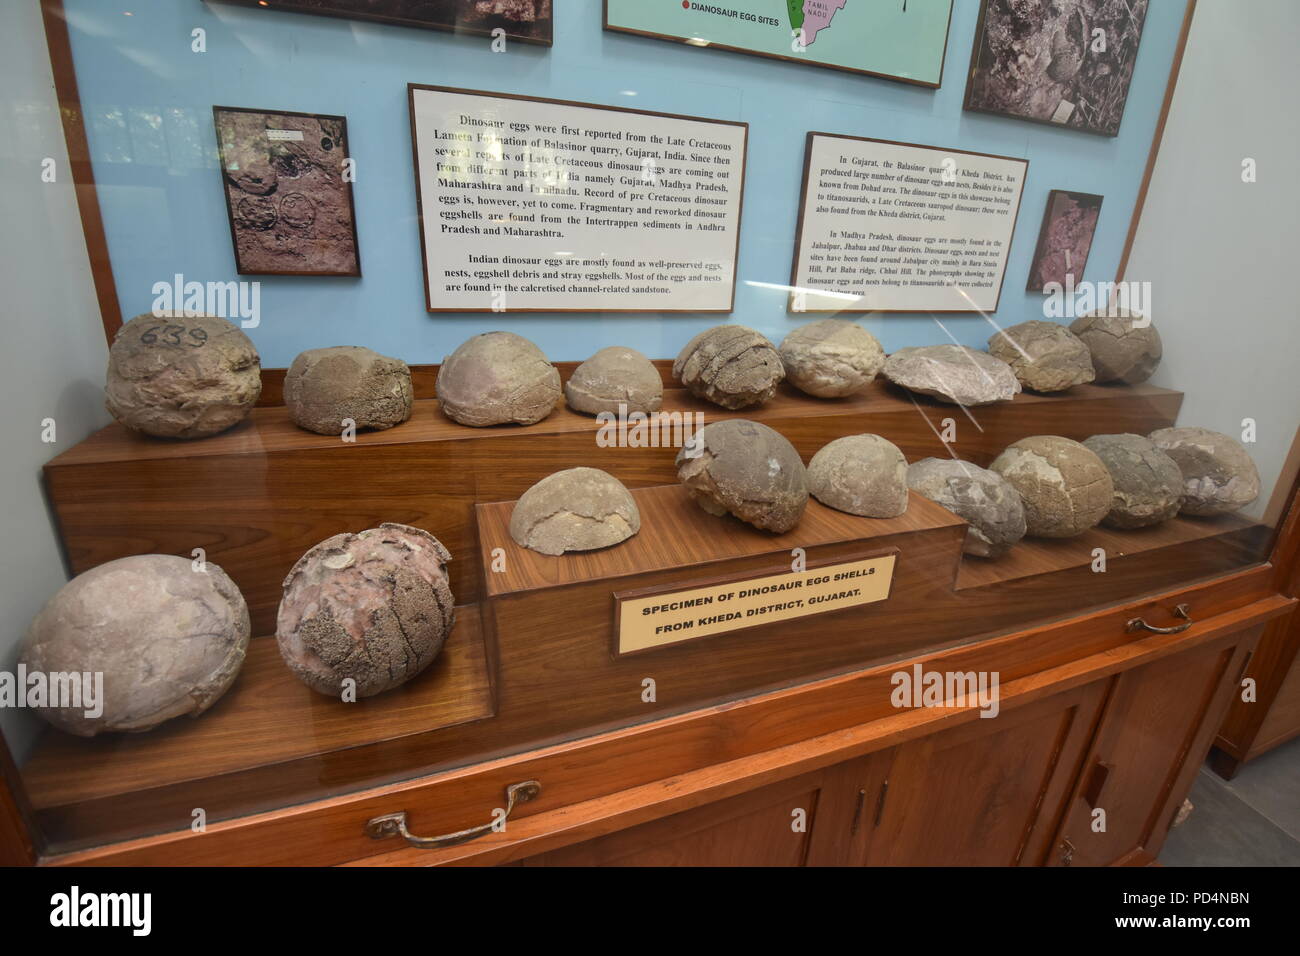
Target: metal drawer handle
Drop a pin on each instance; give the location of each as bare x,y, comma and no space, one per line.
1183,611
394,824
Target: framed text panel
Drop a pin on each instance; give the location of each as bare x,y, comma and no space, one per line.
898,227
536,205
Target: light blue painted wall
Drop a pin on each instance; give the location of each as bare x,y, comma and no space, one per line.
148,101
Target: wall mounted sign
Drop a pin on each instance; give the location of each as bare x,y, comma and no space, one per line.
1064,240
288,187
1067,64
895,39
644,621
526,20
535,205
896,227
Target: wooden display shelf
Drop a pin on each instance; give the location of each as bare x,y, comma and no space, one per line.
266,719
258,496
1238,540
677,534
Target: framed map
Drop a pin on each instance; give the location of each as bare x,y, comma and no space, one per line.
900,40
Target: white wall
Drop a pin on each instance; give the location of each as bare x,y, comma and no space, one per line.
1218,251
52,353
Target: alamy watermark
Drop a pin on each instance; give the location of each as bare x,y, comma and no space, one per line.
76,690
1112,298
922,688
626,429
232,300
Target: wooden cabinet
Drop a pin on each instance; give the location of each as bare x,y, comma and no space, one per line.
814,819
1026,787
773,744
1157,729
985,794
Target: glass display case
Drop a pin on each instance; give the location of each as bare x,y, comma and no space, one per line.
575,426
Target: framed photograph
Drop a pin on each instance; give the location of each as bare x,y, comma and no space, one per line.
902,40
900,227
528,21
1063,62
1065,239
288,187
538,205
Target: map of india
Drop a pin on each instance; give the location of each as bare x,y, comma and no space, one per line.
810,17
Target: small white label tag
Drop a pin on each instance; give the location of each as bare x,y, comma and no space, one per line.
1063,112
283,134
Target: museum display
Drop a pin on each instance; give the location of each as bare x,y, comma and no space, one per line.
578,509
497,377
986,500
529,21
287,178
745,469
904,42
956,374
181,376
654,623
1045,356
541,205
831,358
860,474
1148,483
1064,240
616,380
326,389
1125,346
1064,486
147,638
730,365
1066,63
363,613
1219,476
901,227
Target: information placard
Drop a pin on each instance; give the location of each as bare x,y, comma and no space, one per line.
534,205
896,227
667,617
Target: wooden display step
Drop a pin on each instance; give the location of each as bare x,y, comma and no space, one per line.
267,719
1238,541
256,497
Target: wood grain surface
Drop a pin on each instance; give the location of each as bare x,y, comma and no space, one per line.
267,717
258,496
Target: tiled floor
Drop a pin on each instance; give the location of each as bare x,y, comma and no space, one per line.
1252,820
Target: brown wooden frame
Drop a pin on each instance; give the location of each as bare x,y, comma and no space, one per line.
974,65
1039,249
803,205
399,21
230,209
794,59
419,201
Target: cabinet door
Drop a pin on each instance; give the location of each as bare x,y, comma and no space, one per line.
986,793
791,823
1155,732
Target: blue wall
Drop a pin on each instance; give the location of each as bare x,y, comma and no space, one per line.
148,101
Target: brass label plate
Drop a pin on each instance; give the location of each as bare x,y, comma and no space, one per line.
669,617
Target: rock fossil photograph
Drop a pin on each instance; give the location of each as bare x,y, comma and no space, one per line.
1064,62
288,193
1065,239
526,20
